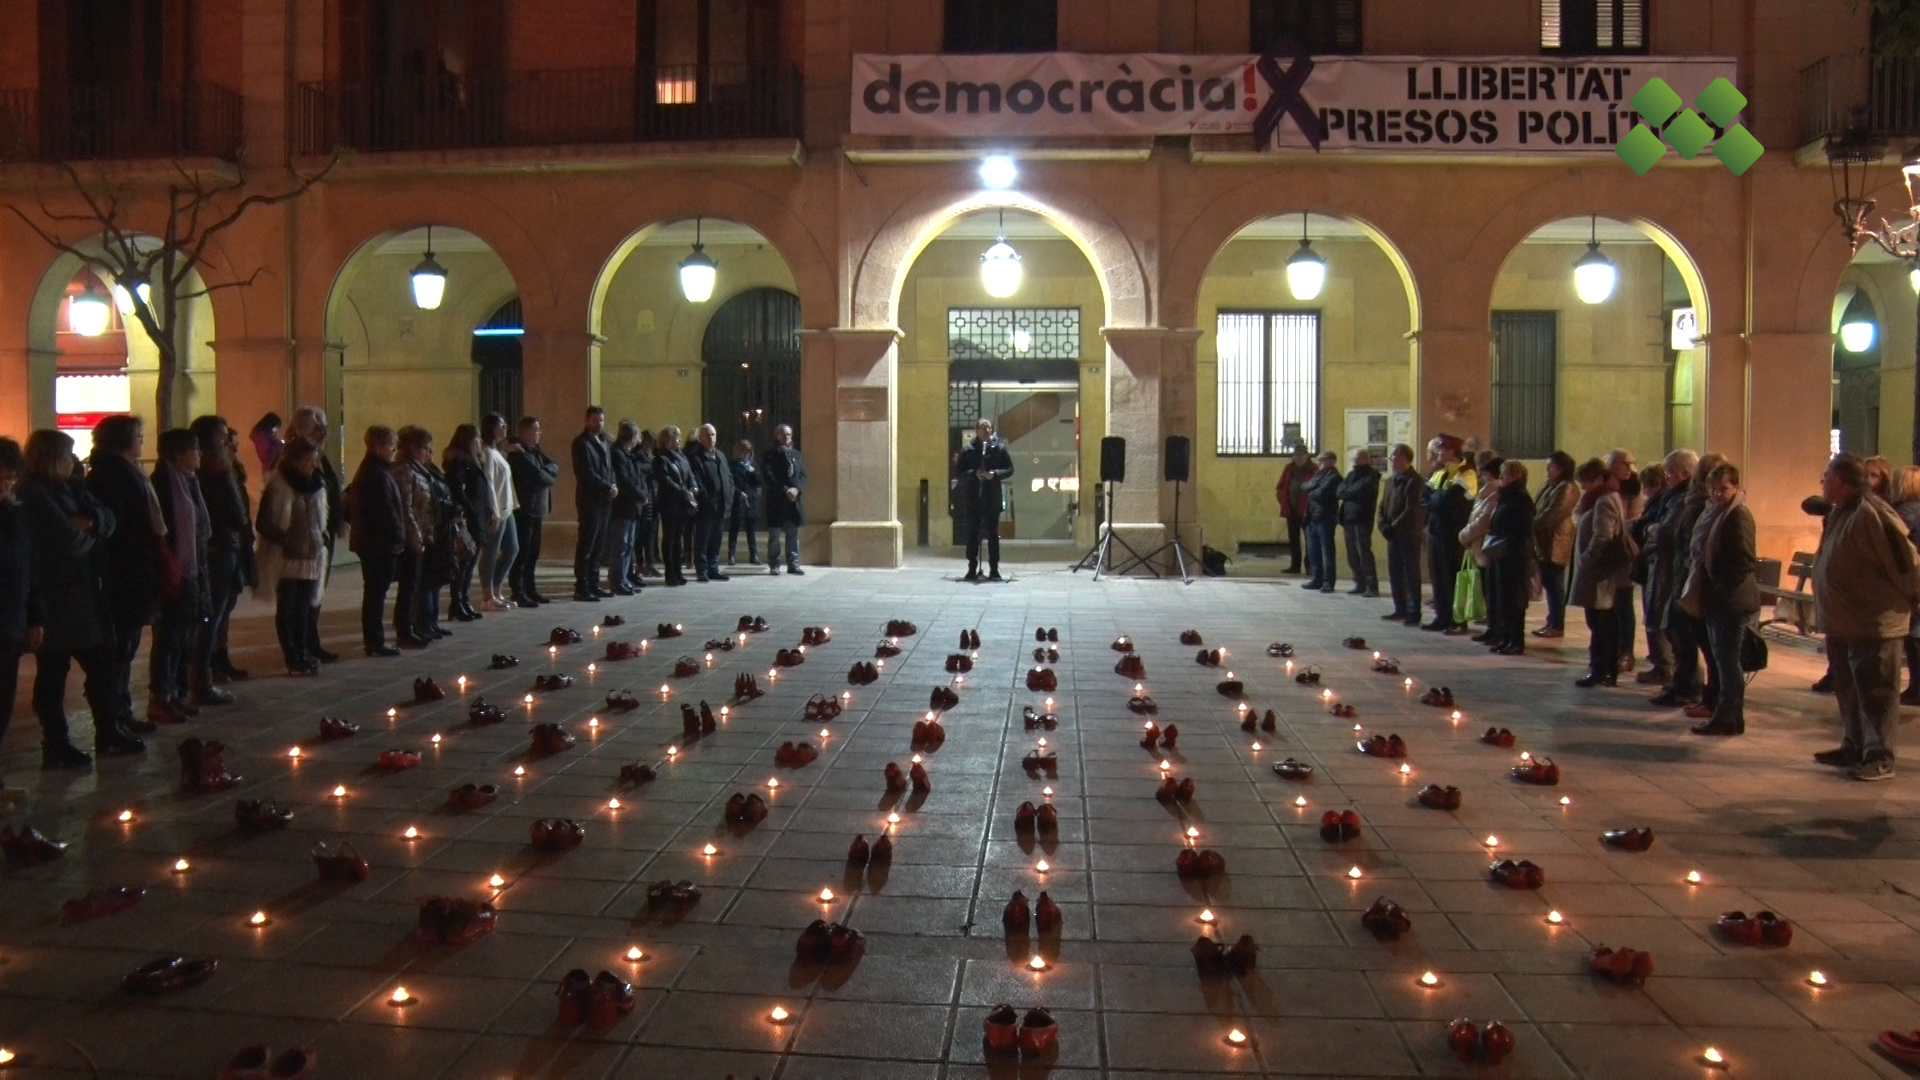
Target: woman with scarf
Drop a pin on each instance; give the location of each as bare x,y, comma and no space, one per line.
68,527
467,483
293,531
647,532
309,425
1553,539
229,555
184,608
1600,546
1473,540
1722,588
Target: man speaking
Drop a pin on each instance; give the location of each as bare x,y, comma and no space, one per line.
977,484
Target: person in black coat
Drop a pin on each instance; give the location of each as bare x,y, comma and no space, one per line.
628,508
715,475
1509,552
1359,499
786,480
746,503
534,474
377,533
229,551
677,496
646,534
594,490
22,618
979,477
132,557
465,470
68,527
1323,516
185,608
1403,521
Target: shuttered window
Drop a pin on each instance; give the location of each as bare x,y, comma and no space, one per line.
1589,27
1001,26
1319,26
1525,365
1269,381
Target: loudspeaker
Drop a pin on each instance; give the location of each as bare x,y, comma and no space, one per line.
1113,460
1178,457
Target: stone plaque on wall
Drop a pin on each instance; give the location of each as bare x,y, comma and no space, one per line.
863,403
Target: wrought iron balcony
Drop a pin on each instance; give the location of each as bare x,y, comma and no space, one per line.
1841,93
589,106
97,123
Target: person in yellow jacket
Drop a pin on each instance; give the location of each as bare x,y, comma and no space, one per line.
1451,488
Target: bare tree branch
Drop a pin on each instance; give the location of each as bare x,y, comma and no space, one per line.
217,286
233,217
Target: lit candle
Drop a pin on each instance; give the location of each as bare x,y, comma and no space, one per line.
916,759
724,710
773,781
1555,918
519,770
803,649
1429,979
181,866
1236,1037
710,850
126,815
826,895
1038,963
497,882
1289,665
778,1015
1376,654
1456,716
1047,792
399,996
958,679
294,753
1256,748
6,1056
1136,688
593,721
672,752
411,833
823,733
1043,744
1230,676
1042,866
1409,683
1491,841
1713,1058
1049,703
613,804
1356,727
552,651
644,642
1326,695
340,791
1354,873
1693,877
1192,832
436,740
462,680
1405,770
1301,801
1817,978
1165,765
529,700
392,713
596,631
1524,756
710,655
634,955
1206,915
893,818
1564,801
258,918
591,668
663,688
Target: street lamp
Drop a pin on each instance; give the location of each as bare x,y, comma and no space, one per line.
87,313
697,271
1593,273
1000,271
1851,157
1306,271
429,279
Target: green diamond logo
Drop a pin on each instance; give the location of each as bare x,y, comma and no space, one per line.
1688,134
1721,102
1737,149
1640,149
1656,101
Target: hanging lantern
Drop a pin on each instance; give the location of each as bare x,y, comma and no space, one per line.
1000,271
1594,274
429,280
697,271
1856,336
87,314
1306,271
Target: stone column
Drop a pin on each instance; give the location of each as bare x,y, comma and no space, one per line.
1721,400
1452,385
866,526
817,436
1788,420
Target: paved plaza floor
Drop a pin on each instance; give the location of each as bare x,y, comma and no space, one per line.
1762,826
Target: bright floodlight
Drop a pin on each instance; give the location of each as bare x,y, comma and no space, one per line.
1306,272
87,313
1856,337
1594,276
1000,271
999,171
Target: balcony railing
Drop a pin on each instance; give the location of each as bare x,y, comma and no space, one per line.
95,123
553,108
1844,92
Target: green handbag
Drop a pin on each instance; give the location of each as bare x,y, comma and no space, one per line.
1469,602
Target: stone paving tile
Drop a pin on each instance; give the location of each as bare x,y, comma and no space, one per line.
1763,826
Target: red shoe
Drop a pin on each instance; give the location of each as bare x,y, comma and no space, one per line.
1496,1042
1902,1045
1212,863
1048,819
1440,798
622,650
472,796
1017,914
563,636
1001,1029
1169,736
1151,738
1122,644
1699,712
1249,723
427,690
1232,688
1269,722
1464,1038
1168,791
1628,839
1038,1032
638,772
1386,920
1187,863
1774,930
611,999
932,734
1190,637
332,728
249,1064
1042,679
922,783
575,994
1349,824
105,901
1242,956
1538,771
1330,826
1025,820
1143,705
1621,965
1036,762
1046,915
1742,928
882,851
857,852
1342,710
1209,957
1517,875
1184,792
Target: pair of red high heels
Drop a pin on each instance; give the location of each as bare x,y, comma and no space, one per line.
1491,1043
929,734
1044,915
1386,746
557,834
687,667
622,650
897,781
1034,720
1131,666
1621,965
260,815
942,698
1153,736
1540,771
1217,959
746,688
454,920
332,727
795,755
751,624
561,635
1628,839
745,808
342,863
1339,825
1029,819
1005,1031
1386,920
598,1002
959,663
1760,928
812,635
1171,791
822,707
551,739
901,628
830,942
472,796
396,760
480,712
1042,680
862,673
425,689
1201,864
1440,798
1524,874
1037,762
879,853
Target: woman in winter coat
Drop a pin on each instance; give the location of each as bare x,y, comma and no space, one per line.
467,485
745,512
1473,535
1508,551
1724,589
69,528
423,491
647,533
1601,566
1553,539
292,550
378,534
22,611
229,554
628,506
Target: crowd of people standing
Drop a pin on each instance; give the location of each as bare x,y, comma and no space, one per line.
94,553
1667,553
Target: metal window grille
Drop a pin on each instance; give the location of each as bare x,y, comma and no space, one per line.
1268,381
1593,26
963,405
1013,334
1319,26
1525,369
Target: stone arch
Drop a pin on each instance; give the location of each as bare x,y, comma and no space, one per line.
883,264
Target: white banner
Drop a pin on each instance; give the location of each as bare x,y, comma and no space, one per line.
1477,105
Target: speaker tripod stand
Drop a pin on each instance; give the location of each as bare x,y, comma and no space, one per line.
1179,550
1099,558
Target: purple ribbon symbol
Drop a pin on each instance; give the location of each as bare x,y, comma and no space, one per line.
1285,98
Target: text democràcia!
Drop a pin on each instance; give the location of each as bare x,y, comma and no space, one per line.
1571,83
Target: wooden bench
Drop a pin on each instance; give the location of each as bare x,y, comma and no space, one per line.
1794,606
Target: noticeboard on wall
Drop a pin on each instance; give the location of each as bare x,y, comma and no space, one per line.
1376,430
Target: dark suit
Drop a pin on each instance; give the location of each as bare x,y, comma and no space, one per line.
593,492
534,474
981,495
715,475
677,496
783,468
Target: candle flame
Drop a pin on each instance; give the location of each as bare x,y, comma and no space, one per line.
1354,873
1491,841
1047,791
436,740
1192,832
1555,918
778,1014
1037,963
340,791
180,866
613,804
399,996
826,895
1714,1057
1429,979
294,752
496,881
1256,746
893,818
1693,877
519,770
1206,915
259,918
1237,1037
412,833
634,953
773,781
1042,866
1564,801
1817,978
126,815
1301,801
710,850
